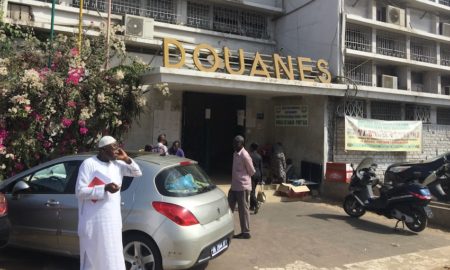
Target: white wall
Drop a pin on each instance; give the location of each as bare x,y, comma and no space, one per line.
258,130
312,31
357,7
421,20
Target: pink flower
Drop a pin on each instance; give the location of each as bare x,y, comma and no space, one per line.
81,123
3,135
19,166
47,144
71,104
27,108
2,149
40,136
83,130
75,75
74,52
66,122
43,73
37,116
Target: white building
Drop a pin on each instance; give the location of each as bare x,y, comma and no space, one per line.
395,54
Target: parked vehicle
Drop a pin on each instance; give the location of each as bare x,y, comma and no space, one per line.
4,221
173,216
434,173
406,202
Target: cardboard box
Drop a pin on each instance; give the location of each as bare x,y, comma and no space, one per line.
292,191
338,172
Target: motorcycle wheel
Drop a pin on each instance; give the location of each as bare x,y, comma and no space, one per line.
420,221
352,207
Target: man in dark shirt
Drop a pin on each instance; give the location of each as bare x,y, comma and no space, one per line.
256,178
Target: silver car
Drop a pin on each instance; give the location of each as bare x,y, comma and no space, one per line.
173,216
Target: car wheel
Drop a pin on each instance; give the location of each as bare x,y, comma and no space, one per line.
141,253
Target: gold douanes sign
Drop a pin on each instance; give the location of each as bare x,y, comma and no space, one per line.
259,68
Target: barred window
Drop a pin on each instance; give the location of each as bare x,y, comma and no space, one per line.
355,108
198,15
254,25
162,10
359,72
443,116
226,20
385,110
418,113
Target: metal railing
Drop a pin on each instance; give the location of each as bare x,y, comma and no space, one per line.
445,57
359,72
390,45
160,10
385,110
358,38
423,51
444,2
418,113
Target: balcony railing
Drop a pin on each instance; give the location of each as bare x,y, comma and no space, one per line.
445,57
423,51
357,38
390,45
162,10
444,2
359,72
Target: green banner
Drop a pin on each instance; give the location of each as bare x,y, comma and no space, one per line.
382,136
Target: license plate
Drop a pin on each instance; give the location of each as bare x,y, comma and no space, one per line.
219,247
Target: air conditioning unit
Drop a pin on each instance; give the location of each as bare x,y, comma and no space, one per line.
388,81
395,15
446,90
418,87
445,29
137,26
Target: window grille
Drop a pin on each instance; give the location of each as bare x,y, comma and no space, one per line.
355,108
385,110
359,72
423,51
443,116
445,57
358,38
418,113
391,44
198,15
235,21
444,2
160,10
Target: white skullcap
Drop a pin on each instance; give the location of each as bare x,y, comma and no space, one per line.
106,140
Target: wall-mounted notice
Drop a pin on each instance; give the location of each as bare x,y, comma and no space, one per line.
291,116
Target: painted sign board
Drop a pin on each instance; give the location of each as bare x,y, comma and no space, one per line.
291,116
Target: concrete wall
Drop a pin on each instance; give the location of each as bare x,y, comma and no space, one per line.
302,143
360,8
421,20
311,31
258,130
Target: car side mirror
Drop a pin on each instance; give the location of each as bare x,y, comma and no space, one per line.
19,187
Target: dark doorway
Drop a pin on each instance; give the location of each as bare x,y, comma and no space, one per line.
210,122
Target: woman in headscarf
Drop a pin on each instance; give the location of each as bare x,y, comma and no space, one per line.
278,164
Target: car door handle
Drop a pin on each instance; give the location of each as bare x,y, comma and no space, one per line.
51,203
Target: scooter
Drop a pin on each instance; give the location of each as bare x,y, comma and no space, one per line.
406,202
434,173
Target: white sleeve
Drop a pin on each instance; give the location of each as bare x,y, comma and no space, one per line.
82,190
131,169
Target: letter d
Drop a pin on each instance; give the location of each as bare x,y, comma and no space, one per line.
166,56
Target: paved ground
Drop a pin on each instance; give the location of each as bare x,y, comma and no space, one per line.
302,235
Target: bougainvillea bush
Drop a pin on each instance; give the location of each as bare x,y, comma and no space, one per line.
56,99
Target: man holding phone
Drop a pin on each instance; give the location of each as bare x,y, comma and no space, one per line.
99,206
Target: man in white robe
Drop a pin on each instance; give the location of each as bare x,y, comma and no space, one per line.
99,206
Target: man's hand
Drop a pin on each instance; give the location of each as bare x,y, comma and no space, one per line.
121,155
112,187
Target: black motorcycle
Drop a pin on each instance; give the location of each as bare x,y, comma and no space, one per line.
434,173
406,202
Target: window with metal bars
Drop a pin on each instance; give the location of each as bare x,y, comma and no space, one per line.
385,110
423,50
198,15
226,20
358,38
239,22
355,108
359,72
418,113
443,116
444,2
160,10
391,44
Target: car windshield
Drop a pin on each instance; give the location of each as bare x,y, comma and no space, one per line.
182,181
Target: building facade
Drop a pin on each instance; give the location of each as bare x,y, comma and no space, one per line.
277,71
